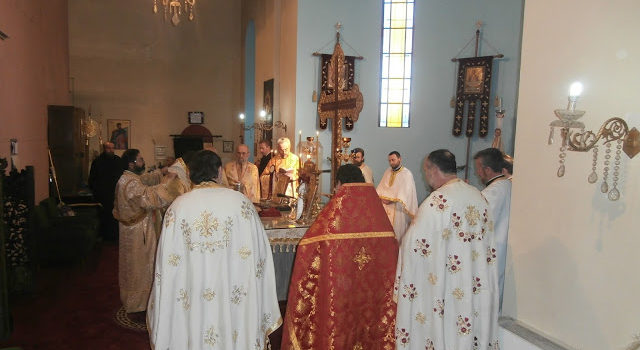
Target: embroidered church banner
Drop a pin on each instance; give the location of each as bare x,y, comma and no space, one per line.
328,81
473,89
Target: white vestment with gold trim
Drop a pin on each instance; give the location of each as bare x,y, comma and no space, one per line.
446,280
214,283
398,186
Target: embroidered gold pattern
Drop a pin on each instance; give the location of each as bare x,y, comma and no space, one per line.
362,258
472,215
433,279
238,293
260,268
211,337
169,218
208,294
464,325
402,336
474,255
458,293
420,317
184,298
174,259
446,233
410,292
244,252
429,345
266,322
438,308
206,224
234,336
491,255
358,346
438,202
455,264
246,209
422,248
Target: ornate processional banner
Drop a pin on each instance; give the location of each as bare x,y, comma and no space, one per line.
328,82
474,86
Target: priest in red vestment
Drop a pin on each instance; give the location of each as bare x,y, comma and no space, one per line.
341,290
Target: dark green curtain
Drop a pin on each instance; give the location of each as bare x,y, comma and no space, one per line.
5,317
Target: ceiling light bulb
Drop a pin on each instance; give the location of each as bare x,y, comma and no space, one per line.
576,89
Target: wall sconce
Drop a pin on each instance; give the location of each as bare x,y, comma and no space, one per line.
262,126
614,129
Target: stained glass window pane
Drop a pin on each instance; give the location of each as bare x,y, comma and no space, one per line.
406,94
396,59
385,40
407,66
408,41
385,66
397,40
396,66
396,90
384,91
394,116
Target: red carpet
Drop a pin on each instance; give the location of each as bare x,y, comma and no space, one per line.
75,307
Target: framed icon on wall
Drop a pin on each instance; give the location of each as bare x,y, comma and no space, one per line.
119,132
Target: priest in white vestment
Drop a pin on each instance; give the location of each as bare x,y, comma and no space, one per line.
490,164
243,174
397,190
446,283
358,160
214,285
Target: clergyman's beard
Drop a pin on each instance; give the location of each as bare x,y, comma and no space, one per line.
358,164
139,169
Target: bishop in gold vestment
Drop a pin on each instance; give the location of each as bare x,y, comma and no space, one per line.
282,168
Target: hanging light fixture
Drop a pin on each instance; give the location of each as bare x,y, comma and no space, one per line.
174,8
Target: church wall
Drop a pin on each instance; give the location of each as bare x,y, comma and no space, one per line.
442,28
127,63
572,266
276,25
34,66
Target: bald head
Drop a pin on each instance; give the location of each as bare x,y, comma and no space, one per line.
108,147
242,153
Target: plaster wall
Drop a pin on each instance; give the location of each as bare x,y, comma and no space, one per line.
572,270
34,66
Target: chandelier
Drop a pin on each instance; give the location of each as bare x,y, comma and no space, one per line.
174,9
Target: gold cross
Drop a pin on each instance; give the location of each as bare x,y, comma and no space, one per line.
362,258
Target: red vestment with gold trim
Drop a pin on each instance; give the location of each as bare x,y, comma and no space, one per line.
341,290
